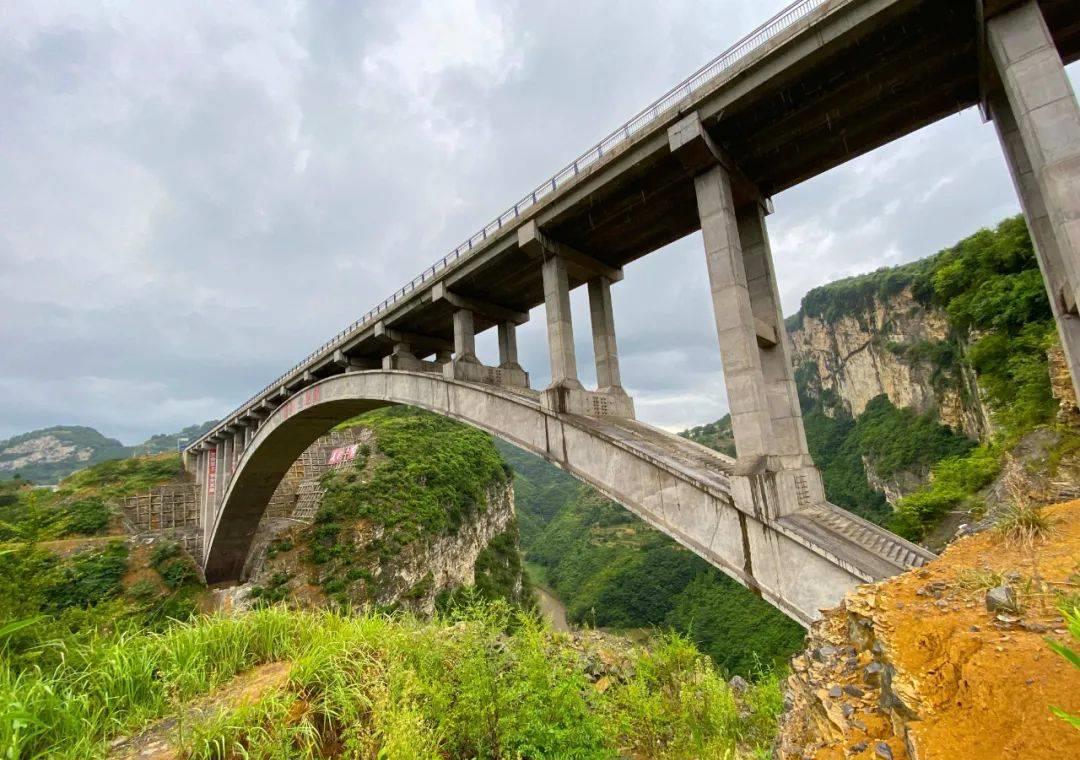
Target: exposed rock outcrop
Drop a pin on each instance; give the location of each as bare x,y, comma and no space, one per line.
426,568
897,485
1062,387
413,578
889,348
919,667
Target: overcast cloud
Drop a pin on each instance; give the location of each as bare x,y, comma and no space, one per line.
195,195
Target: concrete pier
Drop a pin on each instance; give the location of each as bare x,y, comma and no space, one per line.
464,336
560,325
508,349
608,378
774,352
1038,123
401,357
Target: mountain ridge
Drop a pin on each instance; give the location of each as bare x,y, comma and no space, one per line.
47,455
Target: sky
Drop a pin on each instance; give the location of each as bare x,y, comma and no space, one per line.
194,195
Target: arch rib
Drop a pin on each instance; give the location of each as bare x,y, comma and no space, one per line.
796,562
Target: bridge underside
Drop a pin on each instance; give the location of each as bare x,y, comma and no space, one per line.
836,79
800,562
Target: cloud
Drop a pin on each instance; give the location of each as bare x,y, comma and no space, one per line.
195,195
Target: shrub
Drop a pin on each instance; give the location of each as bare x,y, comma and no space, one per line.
954,483
178,572
87,517
92,577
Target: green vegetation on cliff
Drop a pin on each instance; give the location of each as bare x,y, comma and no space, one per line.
432,475
421,477
892,440
990,288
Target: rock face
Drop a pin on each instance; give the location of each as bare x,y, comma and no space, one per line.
930,666
413,578
45,456
1062,388
365,561
889,347
897,485
48,455
425,569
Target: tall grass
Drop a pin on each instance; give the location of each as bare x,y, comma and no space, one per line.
105,685
486,683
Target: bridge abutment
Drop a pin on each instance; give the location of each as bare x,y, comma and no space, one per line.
1037,119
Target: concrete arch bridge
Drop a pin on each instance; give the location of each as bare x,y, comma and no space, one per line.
800,562
822,82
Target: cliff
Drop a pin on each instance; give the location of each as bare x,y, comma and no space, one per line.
890,345
414,509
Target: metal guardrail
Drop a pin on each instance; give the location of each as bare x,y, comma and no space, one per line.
748,44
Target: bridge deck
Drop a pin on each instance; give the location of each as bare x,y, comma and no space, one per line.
847,77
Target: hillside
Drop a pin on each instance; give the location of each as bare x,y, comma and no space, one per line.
959,659
107,651
46,456
424,511
921,383
67,564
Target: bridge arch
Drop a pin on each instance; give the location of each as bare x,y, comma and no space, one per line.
678,487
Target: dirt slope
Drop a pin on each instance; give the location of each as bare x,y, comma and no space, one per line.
918,667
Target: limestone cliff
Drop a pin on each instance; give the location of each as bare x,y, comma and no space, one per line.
399,512
413,577
891,345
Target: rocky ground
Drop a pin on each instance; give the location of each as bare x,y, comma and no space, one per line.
949,661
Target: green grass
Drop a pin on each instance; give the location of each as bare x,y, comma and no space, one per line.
1071,656
486,683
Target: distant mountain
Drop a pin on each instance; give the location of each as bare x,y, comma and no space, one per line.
47,455
162,442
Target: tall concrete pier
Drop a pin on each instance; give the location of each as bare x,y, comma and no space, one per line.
820,83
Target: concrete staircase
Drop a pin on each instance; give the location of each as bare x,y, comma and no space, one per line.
871,548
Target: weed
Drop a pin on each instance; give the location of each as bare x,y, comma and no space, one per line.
1023,524
1072,617
980,579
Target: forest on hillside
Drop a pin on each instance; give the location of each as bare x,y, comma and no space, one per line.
611,570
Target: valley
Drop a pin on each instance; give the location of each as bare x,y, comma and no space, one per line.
439,593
